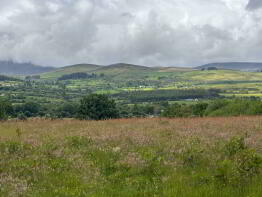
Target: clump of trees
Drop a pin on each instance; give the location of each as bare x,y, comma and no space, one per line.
79,75
101,107
7,78
33,77
210,68
218,107
91,107
29,109
167,95
6,109
97,107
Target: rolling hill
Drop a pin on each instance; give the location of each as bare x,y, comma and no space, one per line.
124,71
12,68
8,78
86,68
126,66
119,70
242,66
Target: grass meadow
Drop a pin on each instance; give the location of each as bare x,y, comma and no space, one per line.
195,157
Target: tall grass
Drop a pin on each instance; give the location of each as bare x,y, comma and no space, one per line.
137,157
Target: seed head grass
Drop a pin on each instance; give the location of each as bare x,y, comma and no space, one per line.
132,157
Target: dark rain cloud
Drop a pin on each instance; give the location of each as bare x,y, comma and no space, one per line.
254,4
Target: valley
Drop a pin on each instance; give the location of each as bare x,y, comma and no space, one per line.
123,78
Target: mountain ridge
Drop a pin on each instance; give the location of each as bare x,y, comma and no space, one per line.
13,68
241,66
24,69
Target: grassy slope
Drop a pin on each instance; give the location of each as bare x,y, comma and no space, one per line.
236,83
223,75
69,70
137,157
117,71
127,72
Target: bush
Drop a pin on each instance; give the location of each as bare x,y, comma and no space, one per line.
29,109
192,154
6,109
21,116
97,107
177,110
240,165
199,109
67,110
235,145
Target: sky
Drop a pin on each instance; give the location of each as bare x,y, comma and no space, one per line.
145,32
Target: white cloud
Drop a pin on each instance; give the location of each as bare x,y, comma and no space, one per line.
149,32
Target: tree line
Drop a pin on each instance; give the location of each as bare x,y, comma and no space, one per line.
101,107
79,75
167,95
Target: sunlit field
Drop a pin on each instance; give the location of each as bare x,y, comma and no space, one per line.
131,157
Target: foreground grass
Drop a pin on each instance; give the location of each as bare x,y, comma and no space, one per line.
137,157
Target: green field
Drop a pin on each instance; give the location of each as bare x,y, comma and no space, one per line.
121,78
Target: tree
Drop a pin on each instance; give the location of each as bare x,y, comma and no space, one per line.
67,110
97,107
29,109
199,109
6,109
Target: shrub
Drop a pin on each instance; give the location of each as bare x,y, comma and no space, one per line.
199,109
240,165
192,154
78,142
21,116
235,145
97,107
6,109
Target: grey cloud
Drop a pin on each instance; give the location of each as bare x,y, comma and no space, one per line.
148,32
254,4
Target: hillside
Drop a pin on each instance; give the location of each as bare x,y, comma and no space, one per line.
126,66
7,78
123,71
222,75
122,67
12,68
117,71
175,69
69,70
242,66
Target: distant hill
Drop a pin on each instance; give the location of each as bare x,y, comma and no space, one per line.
145,68
175,69
126,66
110,70
7,78
122,68
117,71
12,68
78,68
241,66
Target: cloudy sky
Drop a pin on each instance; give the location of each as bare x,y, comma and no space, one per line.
147,32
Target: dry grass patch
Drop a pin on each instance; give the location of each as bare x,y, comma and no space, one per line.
131,157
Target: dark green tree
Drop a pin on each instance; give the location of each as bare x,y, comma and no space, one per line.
6,109
67,110
97,107
199,109
29,109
